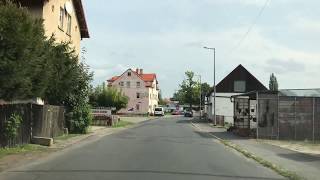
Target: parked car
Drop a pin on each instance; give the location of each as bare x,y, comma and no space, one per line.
188,113
176,112
159,111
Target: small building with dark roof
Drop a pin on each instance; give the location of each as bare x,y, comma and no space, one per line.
238,81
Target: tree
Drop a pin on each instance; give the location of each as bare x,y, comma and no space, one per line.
108,97
205,90
273,83
161,101
32,66
23,54
189,90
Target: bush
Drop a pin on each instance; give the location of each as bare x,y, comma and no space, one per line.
12,125
110,97
80,119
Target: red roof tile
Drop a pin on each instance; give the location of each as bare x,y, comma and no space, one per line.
113,78
148,77
145,77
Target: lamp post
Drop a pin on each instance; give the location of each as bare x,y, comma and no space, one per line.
214,83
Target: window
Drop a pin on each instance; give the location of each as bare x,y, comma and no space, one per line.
129,73
138,84
137,107
121,84
128,84
138,95
61,18
239,86
69,24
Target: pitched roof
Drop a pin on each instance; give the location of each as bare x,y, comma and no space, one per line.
81,19
240,73
150,77
113,78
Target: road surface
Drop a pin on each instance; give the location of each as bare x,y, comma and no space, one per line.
167,148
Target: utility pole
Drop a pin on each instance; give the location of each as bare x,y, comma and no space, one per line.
214,83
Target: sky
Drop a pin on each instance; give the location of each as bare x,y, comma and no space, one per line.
166,37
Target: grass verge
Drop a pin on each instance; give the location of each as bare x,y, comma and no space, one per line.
65,137
122,124
288,174
21,149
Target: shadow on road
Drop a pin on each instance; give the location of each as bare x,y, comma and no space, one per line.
142,172
184,121
300,157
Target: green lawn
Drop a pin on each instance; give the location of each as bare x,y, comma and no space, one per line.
122,124
65,137
21,149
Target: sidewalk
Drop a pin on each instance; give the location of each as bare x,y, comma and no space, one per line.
304,165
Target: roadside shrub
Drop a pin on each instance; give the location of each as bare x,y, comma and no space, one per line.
80,119
12,125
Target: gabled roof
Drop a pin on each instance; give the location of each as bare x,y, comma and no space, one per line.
114,78
239,74
81,19
150,77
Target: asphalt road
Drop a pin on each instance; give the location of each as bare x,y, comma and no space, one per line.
168,148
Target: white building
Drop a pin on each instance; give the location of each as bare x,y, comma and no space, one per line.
239,81
141,88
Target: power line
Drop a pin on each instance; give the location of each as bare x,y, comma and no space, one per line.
250,27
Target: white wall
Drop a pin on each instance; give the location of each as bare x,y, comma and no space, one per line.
224,107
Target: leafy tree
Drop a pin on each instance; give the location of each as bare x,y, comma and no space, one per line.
108,97
189,90
205,89
23,54
161,100
32,66
273,83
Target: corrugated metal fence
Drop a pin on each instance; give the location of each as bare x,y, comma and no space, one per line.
288,118
38,120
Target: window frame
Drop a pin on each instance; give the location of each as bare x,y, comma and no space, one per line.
239,89
61,18
128,84
69,24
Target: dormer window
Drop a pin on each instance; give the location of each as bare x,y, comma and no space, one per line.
129,73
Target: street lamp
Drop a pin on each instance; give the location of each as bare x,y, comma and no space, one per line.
214,83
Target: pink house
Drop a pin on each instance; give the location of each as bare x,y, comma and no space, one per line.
141,88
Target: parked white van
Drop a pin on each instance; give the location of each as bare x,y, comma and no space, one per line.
159,111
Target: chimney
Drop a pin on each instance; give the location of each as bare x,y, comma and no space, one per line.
141,71
137,71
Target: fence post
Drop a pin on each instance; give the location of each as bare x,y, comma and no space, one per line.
295,118
278,135
313,104
257,115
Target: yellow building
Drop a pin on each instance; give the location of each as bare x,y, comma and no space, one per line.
65,19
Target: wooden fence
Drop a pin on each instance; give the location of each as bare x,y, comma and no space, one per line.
38,120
